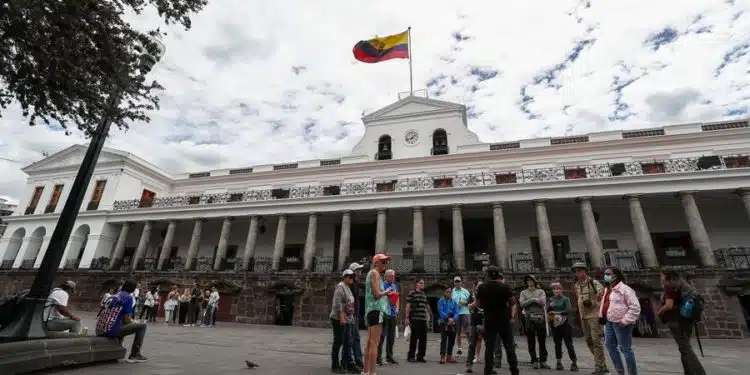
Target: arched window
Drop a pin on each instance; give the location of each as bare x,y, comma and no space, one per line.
439,142
384,148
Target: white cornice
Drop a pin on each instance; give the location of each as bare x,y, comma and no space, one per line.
709,180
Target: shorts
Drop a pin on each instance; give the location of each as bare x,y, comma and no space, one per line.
463,323
374,318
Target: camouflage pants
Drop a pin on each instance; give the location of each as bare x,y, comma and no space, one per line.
592,332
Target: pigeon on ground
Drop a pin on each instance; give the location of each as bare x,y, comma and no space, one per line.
251,364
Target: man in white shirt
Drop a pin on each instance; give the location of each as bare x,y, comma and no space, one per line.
213,306
57,315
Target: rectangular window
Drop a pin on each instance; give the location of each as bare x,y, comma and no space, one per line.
575,173
505,178
384,187
737,161
56,192
147,198
442,183
96,196
653,168
31,208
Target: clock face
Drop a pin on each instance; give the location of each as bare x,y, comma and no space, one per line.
411,137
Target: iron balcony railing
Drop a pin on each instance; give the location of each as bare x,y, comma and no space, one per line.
376,186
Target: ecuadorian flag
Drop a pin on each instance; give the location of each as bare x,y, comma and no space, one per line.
381,49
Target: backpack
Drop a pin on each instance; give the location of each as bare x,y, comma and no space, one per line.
8,307
691,307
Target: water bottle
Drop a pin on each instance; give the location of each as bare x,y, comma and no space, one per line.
687,308
85,331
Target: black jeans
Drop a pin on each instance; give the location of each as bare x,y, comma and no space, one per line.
389,336
564,334
494,332
145,311
418,335
340,343
536,332
682,331
447,339
139,329
193,311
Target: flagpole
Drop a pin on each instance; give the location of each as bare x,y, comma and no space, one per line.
411,72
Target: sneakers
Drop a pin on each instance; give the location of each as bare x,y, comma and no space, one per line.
391,361
573,366
442,359
543,366
459,352
136,358
559,366
450,359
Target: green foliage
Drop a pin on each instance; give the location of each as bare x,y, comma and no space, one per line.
61,60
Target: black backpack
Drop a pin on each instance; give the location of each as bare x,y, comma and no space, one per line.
8,307
691,297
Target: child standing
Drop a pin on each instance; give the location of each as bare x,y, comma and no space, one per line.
448,312
562,331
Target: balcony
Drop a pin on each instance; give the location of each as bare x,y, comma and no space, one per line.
384,155
440,150
520,176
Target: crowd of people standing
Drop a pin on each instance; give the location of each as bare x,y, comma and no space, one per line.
488,313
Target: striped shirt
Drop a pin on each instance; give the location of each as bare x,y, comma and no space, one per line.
419,306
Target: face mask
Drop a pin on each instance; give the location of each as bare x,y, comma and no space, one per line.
608,278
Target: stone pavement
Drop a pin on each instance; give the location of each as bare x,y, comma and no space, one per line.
299,351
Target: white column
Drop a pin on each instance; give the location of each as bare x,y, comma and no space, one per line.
74,245
119,252
418,239
698,232
380,233
545,236
166,247
459,250
590,229
42,251
501,237
252,238
345,239
5,243
195,241
27,242
140,251
642,234
279,243
310,242
221,249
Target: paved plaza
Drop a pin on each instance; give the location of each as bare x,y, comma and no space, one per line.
297,351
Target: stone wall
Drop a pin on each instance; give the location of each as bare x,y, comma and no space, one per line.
254,296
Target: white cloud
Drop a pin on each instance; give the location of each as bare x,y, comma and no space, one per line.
276,81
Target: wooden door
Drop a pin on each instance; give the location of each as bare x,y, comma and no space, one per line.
225,308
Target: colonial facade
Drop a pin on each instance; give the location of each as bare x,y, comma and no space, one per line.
419,186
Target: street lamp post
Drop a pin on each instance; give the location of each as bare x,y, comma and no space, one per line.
28,318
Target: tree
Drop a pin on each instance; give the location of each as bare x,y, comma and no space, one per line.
61,60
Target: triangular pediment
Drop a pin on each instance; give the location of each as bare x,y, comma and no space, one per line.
72,157
413,106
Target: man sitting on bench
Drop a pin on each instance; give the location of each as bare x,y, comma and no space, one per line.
116,321
57,314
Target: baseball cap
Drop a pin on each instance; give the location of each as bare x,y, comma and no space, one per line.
457,278
380,257
355,266
347,272
70,284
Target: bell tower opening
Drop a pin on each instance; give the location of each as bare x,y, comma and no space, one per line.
439,142
384,148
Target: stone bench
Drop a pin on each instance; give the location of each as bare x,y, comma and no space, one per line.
34,355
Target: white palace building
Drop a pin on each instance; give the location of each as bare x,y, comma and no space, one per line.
419,186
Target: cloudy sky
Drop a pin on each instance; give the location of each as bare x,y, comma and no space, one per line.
273,82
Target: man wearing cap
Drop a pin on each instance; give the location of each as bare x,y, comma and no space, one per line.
57,314
462,297
588,292
496,299
356,347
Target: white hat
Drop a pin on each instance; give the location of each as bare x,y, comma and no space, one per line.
347,273
356,266
457,278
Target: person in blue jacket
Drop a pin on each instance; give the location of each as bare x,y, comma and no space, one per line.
448,312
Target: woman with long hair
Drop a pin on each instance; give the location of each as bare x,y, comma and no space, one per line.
618,312
184,301
171,304
376,306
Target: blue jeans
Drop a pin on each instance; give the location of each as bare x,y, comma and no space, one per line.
616,337
356,346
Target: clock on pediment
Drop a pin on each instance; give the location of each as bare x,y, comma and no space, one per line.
411,137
